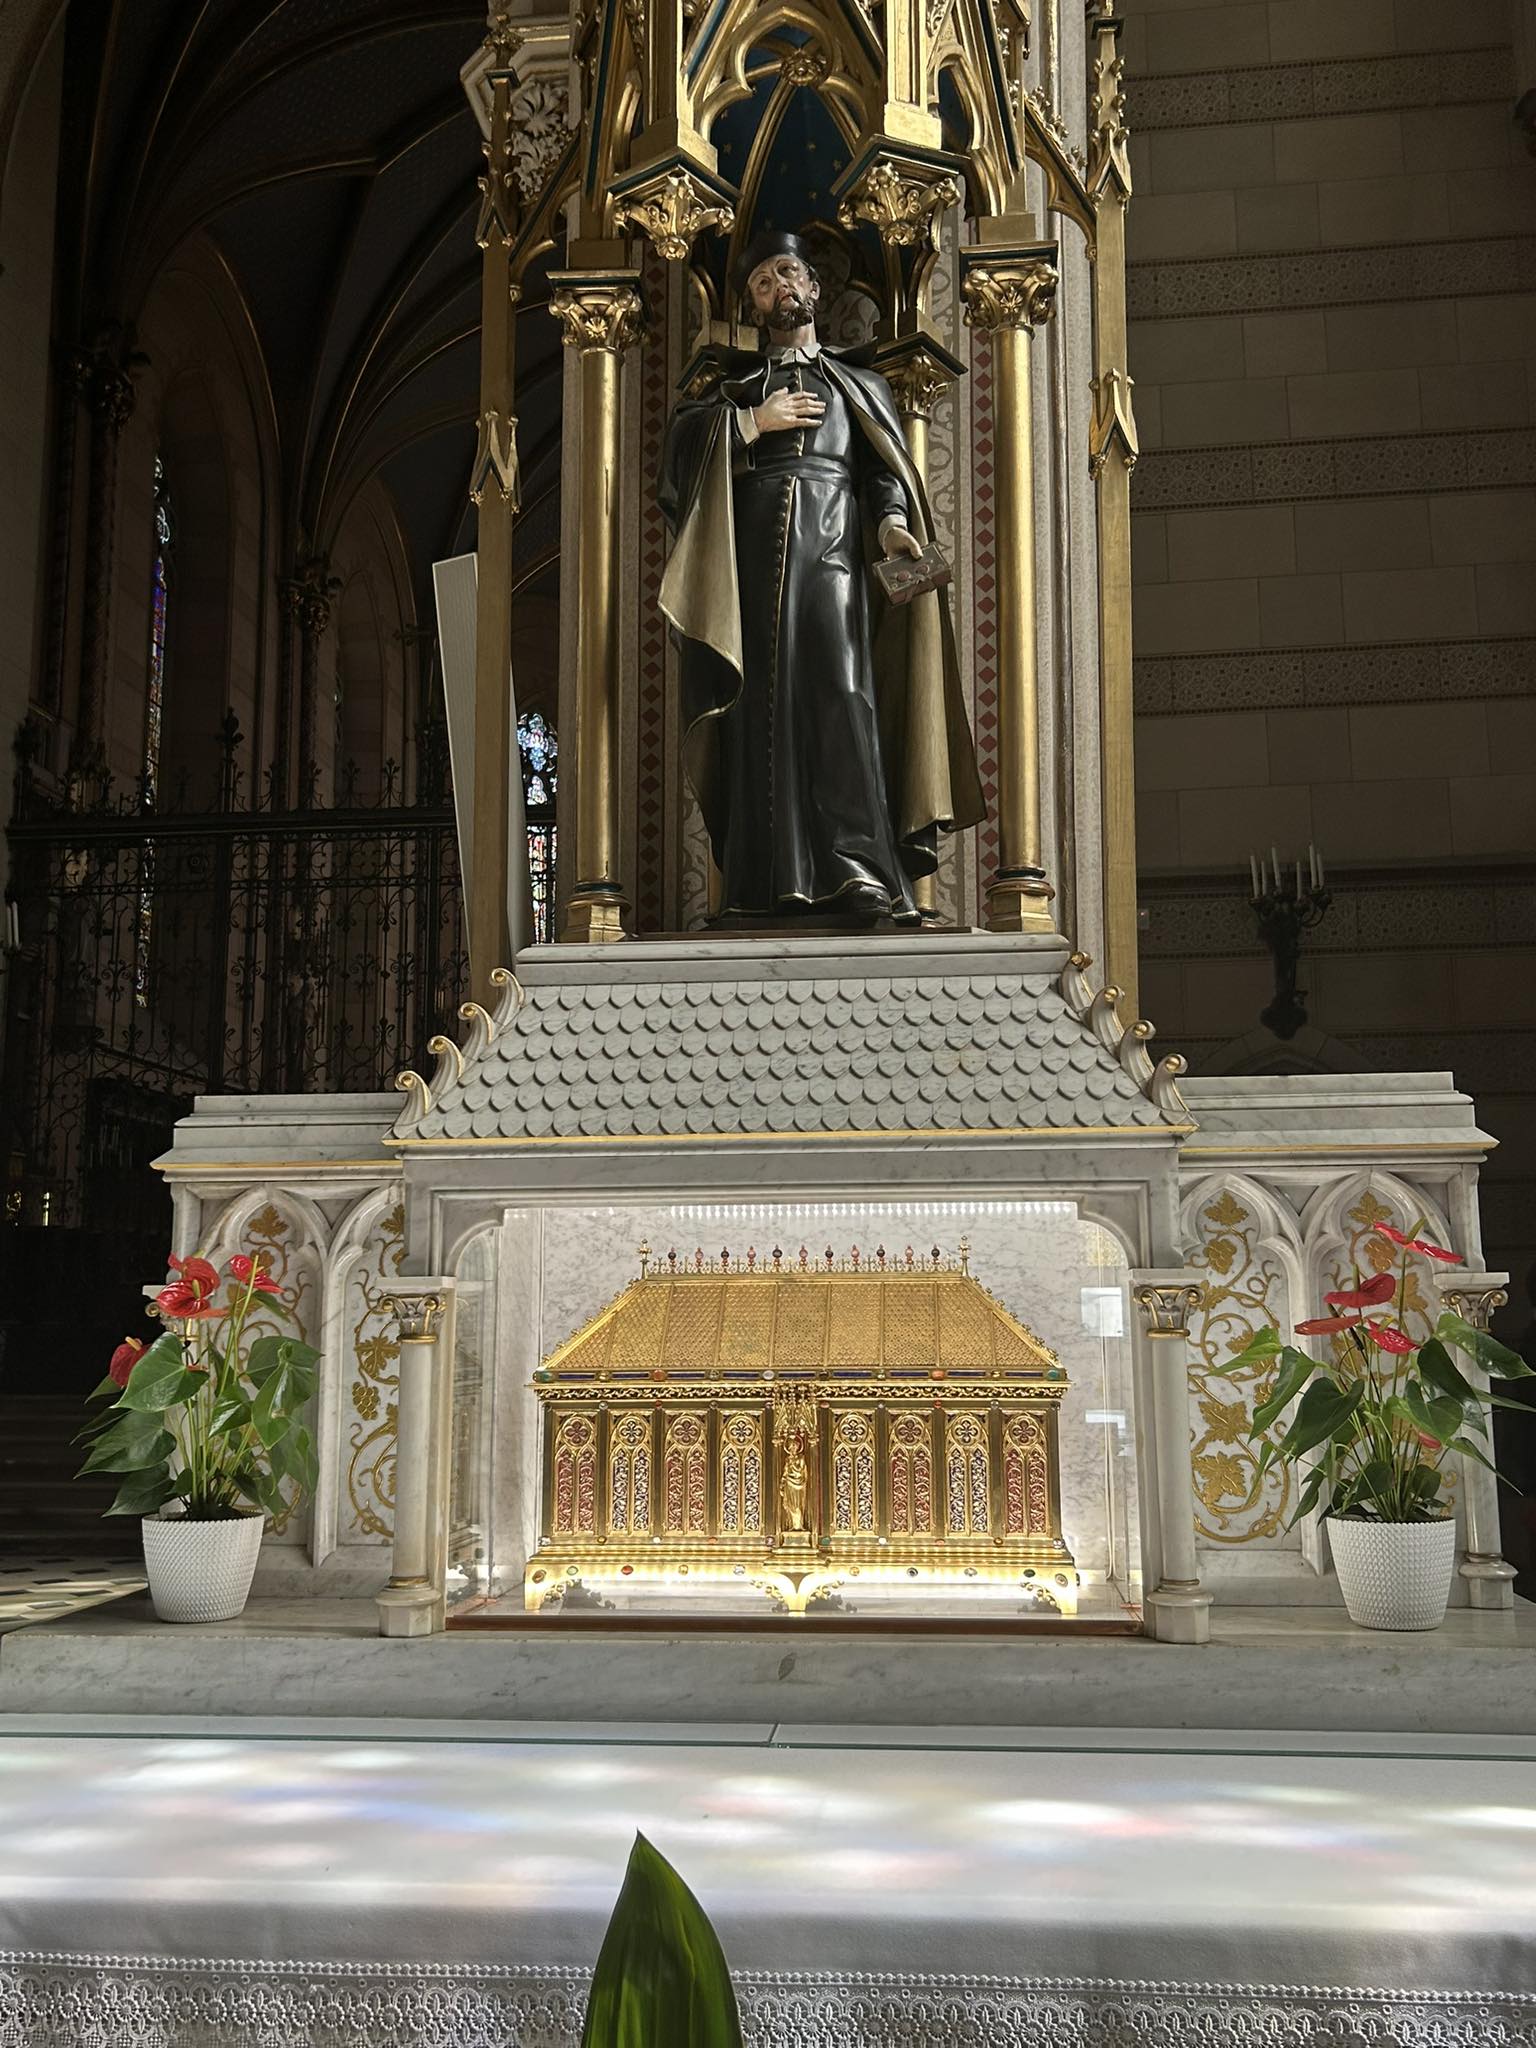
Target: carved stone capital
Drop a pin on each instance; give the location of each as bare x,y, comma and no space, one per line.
920,372
309,593
901,199
1475,1297
671,209
417,1315
1167,1304
1003,290
597,313
541,130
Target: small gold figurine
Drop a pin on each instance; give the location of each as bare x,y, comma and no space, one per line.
794,1484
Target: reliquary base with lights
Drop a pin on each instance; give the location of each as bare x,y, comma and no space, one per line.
794,1426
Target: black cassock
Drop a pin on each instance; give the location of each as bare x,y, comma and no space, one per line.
787,754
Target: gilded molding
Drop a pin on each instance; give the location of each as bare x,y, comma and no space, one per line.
604,316
807,65
901,200
495,465
1010,293
1109,163
1477,1302
918,382
672,210
1113,428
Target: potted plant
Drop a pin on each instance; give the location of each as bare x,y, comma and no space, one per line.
204,1426
1372,1431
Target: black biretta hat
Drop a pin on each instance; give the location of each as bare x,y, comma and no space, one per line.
764,247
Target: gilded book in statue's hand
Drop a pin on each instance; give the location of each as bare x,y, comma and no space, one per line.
903,577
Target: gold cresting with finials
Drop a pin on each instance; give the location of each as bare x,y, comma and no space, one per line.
795,1424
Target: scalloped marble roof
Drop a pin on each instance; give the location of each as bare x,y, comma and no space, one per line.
657,1040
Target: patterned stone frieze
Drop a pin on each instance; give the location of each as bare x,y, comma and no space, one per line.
1297,92
1381,466
1279,680
1480,909
1290,280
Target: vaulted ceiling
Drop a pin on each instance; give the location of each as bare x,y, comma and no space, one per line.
327,148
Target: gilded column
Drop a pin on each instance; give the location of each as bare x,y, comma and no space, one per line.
921,374
413,1602
1178,1605
494,490
601,315
1009,291
1112,456
1489,1577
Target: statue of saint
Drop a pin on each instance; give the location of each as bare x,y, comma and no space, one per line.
794,1483
826,756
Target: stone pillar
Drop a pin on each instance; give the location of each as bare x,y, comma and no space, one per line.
106,382
1490,1580
600,315
921,374
1178,1606
1009,291
413,1603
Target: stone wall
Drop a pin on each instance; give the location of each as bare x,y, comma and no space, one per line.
1333,247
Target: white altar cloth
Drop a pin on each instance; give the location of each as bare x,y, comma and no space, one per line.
367,1861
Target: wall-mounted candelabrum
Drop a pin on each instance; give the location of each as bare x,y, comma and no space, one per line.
1286,906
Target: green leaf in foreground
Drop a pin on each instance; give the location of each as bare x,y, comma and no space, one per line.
661,1979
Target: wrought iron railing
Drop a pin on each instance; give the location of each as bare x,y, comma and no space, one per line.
166,952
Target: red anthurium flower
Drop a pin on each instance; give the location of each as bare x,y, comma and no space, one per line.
1391,1340
1381,1287
1430,1443
1326,1326
196,1272
1418,1244
124,1359
252,1272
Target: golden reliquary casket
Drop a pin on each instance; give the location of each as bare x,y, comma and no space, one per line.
796,1425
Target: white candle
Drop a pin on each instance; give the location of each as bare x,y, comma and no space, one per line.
1253,870
1274,861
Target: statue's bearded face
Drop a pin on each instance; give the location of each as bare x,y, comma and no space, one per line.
782,295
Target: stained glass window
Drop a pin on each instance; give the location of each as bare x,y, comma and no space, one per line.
540,751
154,715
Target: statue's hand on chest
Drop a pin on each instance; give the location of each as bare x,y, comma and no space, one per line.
789,408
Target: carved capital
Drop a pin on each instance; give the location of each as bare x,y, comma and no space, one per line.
918,382
495,467
901,200
309,594
1475,1297
1167,1305
1010,291
671,210
417,1315
599,314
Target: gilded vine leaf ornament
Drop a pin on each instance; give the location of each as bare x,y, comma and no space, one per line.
376,1355
901,208
1233,1504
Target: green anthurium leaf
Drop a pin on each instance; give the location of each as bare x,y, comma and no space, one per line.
142,1493
231,1415
661,1979
1295,1370
1309,1496
1483,1349
1440,1371
136,1443
264,1358
261,1487
161,1379
1470,1450
1261,1346
1326,1410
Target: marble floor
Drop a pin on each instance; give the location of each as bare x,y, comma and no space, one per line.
45,1585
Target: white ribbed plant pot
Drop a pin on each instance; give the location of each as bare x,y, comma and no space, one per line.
1394,1574
201,1571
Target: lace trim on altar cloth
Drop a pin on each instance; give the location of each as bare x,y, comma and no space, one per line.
84,2001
